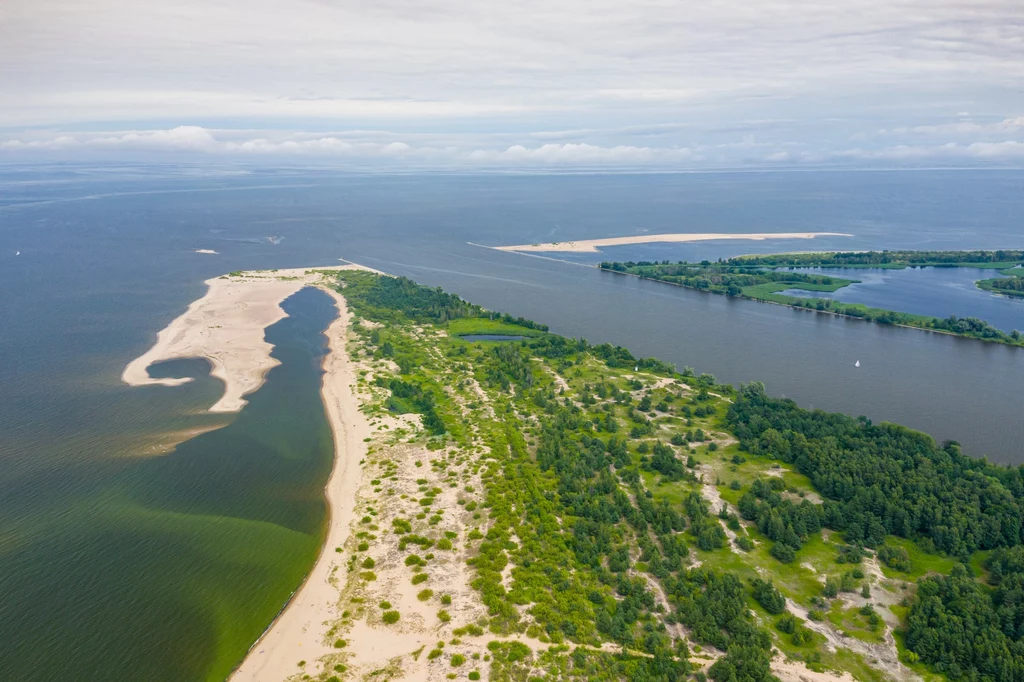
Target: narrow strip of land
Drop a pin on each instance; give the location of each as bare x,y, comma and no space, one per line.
593,245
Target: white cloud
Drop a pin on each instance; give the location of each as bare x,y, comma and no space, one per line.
1007,150
565,65
571,153
389,149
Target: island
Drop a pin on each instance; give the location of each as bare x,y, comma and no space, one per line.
508,504
775,278
594,245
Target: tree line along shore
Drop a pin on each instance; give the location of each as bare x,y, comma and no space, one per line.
765,278
563,510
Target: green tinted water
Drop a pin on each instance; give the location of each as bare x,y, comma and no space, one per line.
174,565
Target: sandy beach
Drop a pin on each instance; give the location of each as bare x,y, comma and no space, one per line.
226,327
593,245
301,629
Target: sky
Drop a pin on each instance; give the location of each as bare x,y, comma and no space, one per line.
649,84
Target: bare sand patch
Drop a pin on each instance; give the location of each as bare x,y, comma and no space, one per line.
593,245
226,327
794,671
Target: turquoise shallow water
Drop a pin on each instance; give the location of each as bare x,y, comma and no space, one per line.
169,567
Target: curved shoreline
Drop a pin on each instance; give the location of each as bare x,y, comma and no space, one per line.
302,622
226,327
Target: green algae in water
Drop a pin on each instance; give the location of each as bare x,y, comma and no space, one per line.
172,569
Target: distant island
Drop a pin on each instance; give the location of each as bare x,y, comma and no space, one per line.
768,277
593,245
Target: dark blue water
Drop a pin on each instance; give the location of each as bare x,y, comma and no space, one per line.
939,292
108,258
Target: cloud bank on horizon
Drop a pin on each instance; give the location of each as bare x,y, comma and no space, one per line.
525,83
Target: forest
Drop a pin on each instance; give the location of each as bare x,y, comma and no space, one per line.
595,498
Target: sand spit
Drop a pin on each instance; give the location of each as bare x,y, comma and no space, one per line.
226,326
300,632
593,245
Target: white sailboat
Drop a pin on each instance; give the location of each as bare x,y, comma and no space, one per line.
857,364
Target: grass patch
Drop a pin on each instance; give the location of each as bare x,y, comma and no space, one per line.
479,325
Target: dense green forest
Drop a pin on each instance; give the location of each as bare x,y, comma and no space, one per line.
759,278
597,527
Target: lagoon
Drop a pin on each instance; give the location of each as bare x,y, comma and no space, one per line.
935,291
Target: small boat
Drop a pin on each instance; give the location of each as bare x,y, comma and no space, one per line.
857,364
17,253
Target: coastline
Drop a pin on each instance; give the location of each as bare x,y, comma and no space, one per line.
592,245
301,627
225,327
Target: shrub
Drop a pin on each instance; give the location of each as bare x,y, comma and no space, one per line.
446,599
457,660
424,595
368,562
783,552
419,578
385,605
768,596
444,616
391,617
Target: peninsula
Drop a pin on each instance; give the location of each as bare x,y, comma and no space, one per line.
532,505
507,504
225,327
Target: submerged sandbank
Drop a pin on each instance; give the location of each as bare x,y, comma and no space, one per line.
226,327
593,245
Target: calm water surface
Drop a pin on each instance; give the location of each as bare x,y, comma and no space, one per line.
939,292
122,559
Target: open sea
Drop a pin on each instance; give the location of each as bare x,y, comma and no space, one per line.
123,556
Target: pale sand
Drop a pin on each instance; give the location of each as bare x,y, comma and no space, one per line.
300,632
226,326
797,671
592,245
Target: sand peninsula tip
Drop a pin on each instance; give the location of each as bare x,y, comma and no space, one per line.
593,245
226,327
